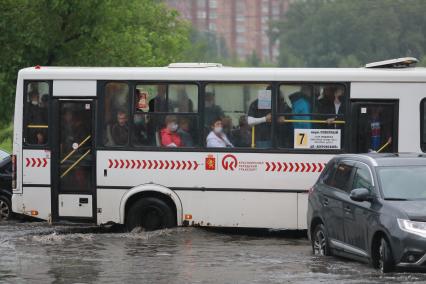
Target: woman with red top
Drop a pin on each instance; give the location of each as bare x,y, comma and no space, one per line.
169,135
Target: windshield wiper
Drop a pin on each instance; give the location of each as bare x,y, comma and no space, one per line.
396,199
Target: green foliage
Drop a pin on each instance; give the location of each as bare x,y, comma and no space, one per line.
85,33
205,47
347,33
6,139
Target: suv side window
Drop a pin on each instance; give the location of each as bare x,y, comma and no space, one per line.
328,174
362,178
343,176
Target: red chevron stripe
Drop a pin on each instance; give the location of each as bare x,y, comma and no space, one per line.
33,162
44,162
291,167
173,165
184,165
285,167
280,166
149,164
308,167
314,167
28,162
302,167
178,165
133,164
161,164
167,164
109,163
273,166
297,167
189,165
138,164
268,166
144,164
127,164
196,165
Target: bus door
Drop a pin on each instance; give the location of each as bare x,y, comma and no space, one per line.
374,126
74,160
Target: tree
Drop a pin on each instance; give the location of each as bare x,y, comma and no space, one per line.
346,33
85,33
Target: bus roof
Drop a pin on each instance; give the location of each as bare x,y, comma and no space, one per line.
217,73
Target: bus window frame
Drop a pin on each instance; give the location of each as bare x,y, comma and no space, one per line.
26,145
100,113
344,142
422,124
273,104
201,96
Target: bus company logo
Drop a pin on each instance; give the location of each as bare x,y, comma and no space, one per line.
210,163
229,162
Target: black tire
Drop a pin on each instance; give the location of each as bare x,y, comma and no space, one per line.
150,214
5,208
383,257
319,241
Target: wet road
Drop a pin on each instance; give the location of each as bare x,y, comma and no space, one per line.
38,253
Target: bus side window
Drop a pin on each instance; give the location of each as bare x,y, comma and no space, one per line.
165,115
244,112
305,111
36,116
116,113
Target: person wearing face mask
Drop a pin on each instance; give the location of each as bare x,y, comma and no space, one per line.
169,135
217,138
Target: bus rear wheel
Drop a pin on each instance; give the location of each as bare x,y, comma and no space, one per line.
150,214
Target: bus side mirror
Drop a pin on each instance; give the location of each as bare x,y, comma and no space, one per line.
361,194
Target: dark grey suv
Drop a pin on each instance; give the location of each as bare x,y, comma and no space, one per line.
371,208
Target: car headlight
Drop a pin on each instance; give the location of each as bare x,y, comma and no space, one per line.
417,228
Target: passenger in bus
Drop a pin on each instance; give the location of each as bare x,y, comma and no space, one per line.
211,110
120,129
227,126
332,103
375,131
184,132
183,103
217,138
241,136
260,118
140,127
169,135
159,102
301,106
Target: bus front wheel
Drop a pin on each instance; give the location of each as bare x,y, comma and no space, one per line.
150,213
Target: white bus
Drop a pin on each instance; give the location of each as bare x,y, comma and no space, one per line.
200,144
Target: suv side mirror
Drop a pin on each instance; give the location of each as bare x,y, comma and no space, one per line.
361,194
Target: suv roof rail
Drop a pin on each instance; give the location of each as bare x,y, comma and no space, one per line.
402,62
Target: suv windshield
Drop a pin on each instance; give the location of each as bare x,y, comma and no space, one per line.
403,183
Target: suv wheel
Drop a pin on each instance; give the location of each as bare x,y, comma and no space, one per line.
384,257
5,208
320,241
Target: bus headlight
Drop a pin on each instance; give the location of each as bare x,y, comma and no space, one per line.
413,227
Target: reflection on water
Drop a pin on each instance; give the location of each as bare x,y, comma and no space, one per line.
38,253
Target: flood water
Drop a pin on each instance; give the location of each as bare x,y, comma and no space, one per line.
39,253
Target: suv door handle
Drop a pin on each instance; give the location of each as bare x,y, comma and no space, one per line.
325,201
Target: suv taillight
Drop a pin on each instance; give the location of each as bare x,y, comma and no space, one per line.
13,172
